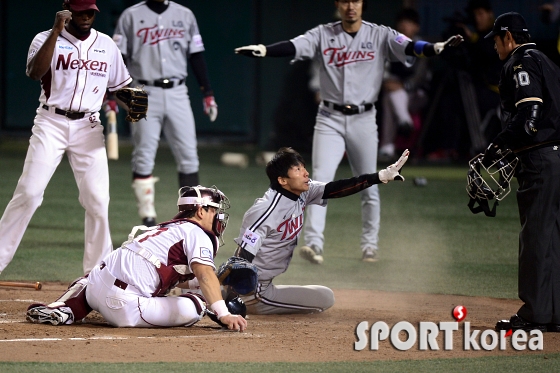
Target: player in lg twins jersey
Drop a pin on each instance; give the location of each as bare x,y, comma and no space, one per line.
352,55
271,227
157,39
76,65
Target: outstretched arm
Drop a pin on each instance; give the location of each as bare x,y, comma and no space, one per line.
422,48
280,49
346,187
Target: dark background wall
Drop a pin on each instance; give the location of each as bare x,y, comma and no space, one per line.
247,90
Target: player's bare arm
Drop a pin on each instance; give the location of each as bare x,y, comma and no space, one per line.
210,287
40,63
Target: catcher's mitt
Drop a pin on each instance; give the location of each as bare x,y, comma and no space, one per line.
240,274
135,100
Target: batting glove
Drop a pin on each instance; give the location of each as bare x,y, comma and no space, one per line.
451,42
110,105
392,172
252,50
210,107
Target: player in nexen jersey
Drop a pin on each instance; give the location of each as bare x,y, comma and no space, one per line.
271,227
75,64
352,55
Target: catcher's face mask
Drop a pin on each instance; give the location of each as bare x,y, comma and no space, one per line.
494,185
192,197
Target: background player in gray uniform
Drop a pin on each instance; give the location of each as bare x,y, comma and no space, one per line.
76,65
352,55
271,227
157,38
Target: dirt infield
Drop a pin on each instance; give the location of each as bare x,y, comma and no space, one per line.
299,338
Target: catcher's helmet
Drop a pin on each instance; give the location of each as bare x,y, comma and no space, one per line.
190,198
497,184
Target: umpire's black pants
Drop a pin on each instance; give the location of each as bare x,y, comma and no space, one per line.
538,199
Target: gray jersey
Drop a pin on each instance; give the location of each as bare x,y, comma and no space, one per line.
271,227
171,36
352,67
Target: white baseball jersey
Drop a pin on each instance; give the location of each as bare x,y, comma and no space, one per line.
271,227
352,67
178,244
156,45
81,71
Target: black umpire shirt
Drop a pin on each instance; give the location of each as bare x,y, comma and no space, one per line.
529,77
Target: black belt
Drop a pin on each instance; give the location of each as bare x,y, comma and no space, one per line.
118,283
530,148
162,83
349,109
69,114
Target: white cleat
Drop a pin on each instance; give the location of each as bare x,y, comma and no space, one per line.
311,255
45,315
370,255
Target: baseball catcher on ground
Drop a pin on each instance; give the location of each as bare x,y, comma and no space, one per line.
130,285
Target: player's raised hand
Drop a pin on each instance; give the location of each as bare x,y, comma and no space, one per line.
61,19
234,322
453,41
252,50
392,172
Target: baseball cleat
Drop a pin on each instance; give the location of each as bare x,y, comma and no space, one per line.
39,314
308,253
370,256
516,322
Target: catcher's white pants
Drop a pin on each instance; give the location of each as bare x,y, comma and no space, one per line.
335,135
84,144
272,299
129,308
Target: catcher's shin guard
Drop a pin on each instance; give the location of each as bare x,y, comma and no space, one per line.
74,299
144,191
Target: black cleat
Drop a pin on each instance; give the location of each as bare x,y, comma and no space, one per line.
516,322
149,222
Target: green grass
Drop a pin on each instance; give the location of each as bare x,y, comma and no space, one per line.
535,363
429,242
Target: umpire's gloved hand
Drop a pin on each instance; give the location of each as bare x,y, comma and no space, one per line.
491,154
392,172
453,41
252,50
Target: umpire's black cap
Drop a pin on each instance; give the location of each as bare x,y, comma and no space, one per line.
512,22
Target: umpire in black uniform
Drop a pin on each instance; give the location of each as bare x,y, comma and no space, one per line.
530,99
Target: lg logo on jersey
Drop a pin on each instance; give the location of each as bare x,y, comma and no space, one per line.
427,332
68,63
